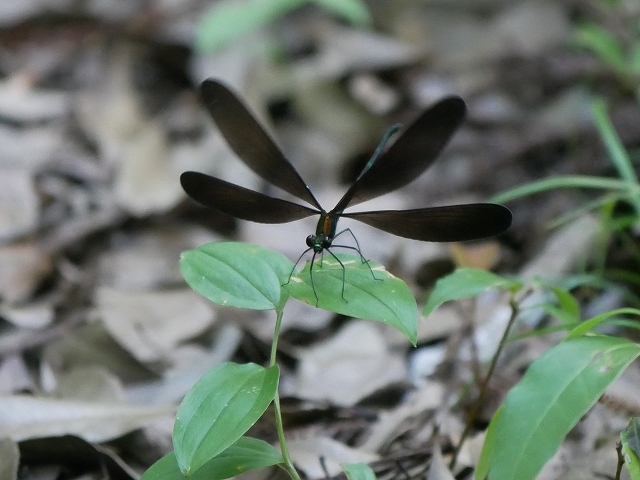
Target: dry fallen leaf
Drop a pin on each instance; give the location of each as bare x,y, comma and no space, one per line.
23,417
532,27
90,384
349,366
33,315
438,470
306,454
88,345
9,459
22,267
148,260
29,148
14,375
425,399
19,204
146,182
344,50
189,363
20,102
150,324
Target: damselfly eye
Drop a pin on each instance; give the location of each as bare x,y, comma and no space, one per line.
310,241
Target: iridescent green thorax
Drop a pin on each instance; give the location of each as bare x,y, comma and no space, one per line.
325,232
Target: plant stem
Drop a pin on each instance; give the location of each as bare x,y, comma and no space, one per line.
616,150
288,464
620,460
568,181
276,335
483,387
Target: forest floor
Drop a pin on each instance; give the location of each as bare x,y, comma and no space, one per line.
100,113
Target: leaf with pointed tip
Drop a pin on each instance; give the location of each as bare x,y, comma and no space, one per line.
244,455
630,441
219,409
358,471
555,392
370,292
237,274
464,283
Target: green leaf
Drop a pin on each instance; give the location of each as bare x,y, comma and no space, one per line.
354,11
630,440
464,283
229,20
567,320
165,469
358,471
633,435
555,392
605,45
617,152
244,455
237,274
588,325
568,310
566,181
634,59
370,292
219,409
488,447
568,303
